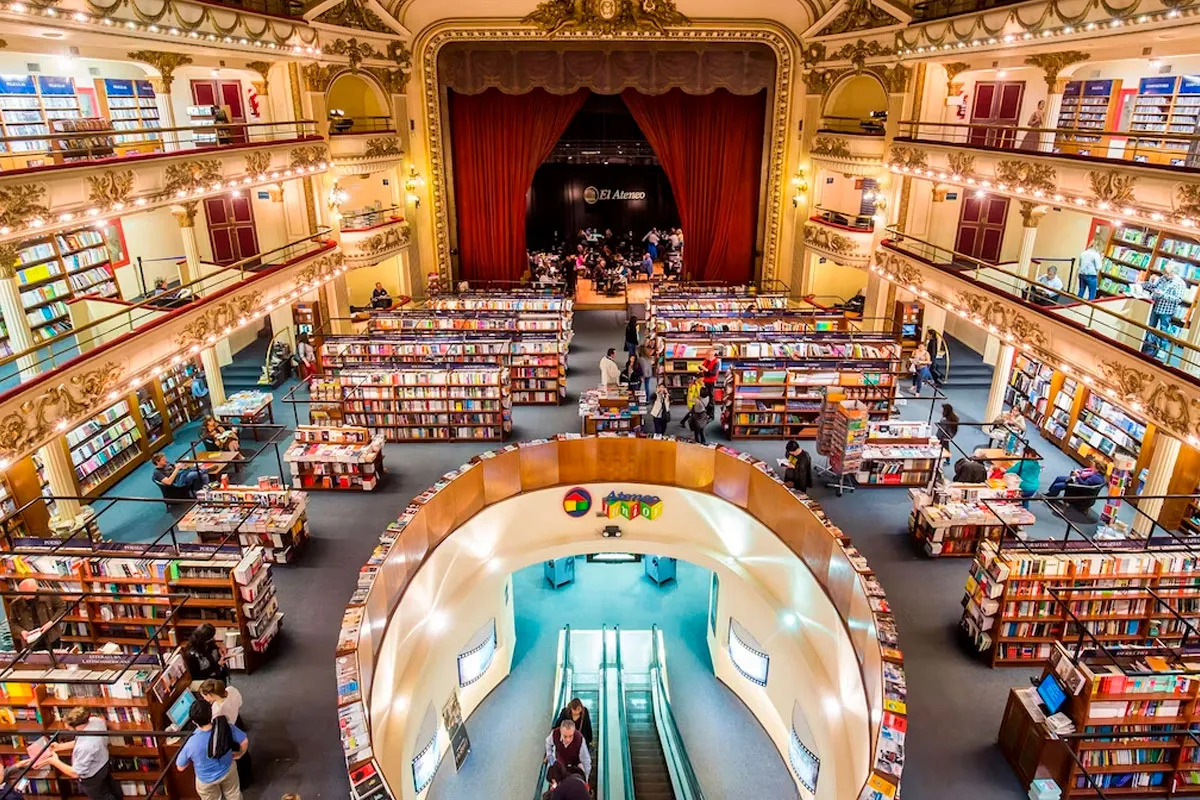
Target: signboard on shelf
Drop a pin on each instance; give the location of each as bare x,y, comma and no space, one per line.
1164,84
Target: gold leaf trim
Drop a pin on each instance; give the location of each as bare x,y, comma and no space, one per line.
36,420
110,187
214,321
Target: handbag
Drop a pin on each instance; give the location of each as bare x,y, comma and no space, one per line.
221,740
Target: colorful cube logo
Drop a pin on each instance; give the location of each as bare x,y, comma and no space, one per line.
631,506
577,502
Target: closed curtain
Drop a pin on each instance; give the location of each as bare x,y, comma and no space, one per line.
710,146
498,140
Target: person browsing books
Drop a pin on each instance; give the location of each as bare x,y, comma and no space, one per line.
211,751
204,655
90,763
32,617
610,371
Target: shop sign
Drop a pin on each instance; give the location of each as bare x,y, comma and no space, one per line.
592,195
17,84
116,87
630,506
53,85
1164,85
577,502
1189,84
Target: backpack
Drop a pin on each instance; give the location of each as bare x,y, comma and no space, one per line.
221,740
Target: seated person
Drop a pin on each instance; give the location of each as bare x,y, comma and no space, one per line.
1048,287
380,298
216,436
1087,476
969,471
167,474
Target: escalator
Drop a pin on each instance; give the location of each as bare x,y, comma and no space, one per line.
651,780
580,672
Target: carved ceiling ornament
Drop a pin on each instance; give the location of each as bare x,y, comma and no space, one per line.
354,50
961,163
1028,176
308,156
399,53
894,79
262,68
318,77
22,203
111,187
606,17
383,146
258,163
353,14
1164,404
812,55
214,321
859,15
185,213
393,81
858,52
1052,63
830,241
953,70
1032,213
191,175
820,81
908,157
165,63
36,419
1112,186
1187,198
1006,320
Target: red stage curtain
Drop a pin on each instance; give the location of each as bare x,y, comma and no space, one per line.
710,146
498,142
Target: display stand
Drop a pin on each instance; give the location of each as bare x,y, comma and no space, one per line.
951,520
899,454
612,410
269,516
841,437
341,458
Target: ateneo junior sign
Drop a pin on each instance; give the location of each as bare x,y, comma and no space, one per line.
578,501
592,195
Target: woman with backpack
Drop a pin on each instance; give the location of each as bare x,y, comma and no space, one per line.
211,750
226,701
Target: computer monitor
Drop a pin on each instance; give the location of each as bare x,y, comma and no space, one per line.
181,709
1052,694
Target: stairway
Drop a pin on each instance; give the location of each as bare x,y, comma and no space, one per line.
651,779
967,368
244,371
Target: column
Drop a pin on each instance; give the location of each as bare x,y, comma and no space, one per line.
20,335
1031,216
1050,113
60,476
212,374
190,270
1000,377
881,300
282,329
1158,478
162,98
337,305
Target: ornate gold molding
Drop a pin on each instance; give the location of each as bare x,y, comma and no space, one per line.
39,417
322,268
383,146
354,14
354,50
380,244
908,157
1032,214
858,15
894,79
832,146
262,68
1165,404
185,213
308,156
1053,63
111,187
165,63
606,17
1187,196
214,321
258,163
191,175
1112,186
393,81
960,163
8,260
317,77
996,313
953,69
812,55
822,238
820,81
904,272
21,203
1028,176
858,52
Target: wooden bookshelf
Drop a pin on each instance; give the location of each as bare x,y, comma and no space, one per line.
176,388
339,458
799,320
1137,254
423,403
1165,104
131,105
28,106
908,322
1029,388
1063,410
107,447
1102,429
1088,110
57,267
1011,617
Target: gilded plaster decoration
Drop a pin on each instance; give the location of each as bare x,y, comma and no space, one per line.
858,52
111,187
1032,214
960,163
830,146
308,156
393,81
908,157
831,242
8,260
191,175
606,17
1188,198
1164,404
21,203
37,418
383,146
258,163
820,81
165,63
353,14
894,79
953,69
321,269
1112,186
1027,176
1052,63
1006,320
221,20
214,321
905,272
262,68
400,54
354,50
185,214
812,55
859,15
317,77
391,239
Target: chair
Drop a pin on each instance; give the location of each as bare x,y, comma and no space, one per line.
1080,497
173,493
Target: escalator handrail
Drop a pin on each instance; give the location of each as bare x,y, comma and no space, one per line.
560,692
601,754
678,763
626,752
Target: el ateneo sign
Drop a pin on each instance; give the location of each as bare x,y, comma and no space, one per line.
592,195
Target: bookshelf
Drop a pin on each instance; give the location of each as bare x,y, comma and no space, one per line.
176,386
465,320
537,302
1137,254
1165,104
55,268
308,317
612,410
345,458
1064,410
842,435
1103,430
1029,388
1011,616
28,105
1087,108
106,447
269,516
951,520
668,320
452,403
899,454
131,105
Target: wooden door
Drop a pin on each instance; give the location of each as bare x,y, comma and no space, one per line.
996,109
230,228
981,227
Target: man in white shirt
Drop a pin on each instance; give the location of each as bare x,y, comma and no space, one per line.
1089,271
610,371
1052,284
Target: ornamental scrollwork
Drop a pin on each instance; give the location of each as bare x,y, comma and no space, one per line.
1187,198
1032,214
165,63
1005,319
382,146
8,260
829,241
820,81
393,81
961,163
1165,404
831,146
354,14
317,77
22,203
1028,176
1112,186
858,52
859,15
1052,63
812,55
261,67
312,155
213,322
399,53
894,79
111,187
606,17
320,269
953,69
191,175
354,50
258,163
36,419
911,157
903,271
391,239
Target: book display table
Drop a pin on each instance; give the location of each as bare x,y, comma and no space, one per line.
346,458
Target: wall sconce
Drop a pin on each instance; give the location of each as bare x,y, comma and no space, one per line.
414,182
337,196
800,184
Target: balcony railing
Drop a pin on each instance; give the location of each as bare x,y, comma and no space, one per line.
349,126
858,126
360,221
1118,319
840,219
56,351
85,148
290,9
1146,148
926,10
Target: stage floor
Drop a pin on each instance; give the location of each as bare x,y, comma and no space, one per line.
586,297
